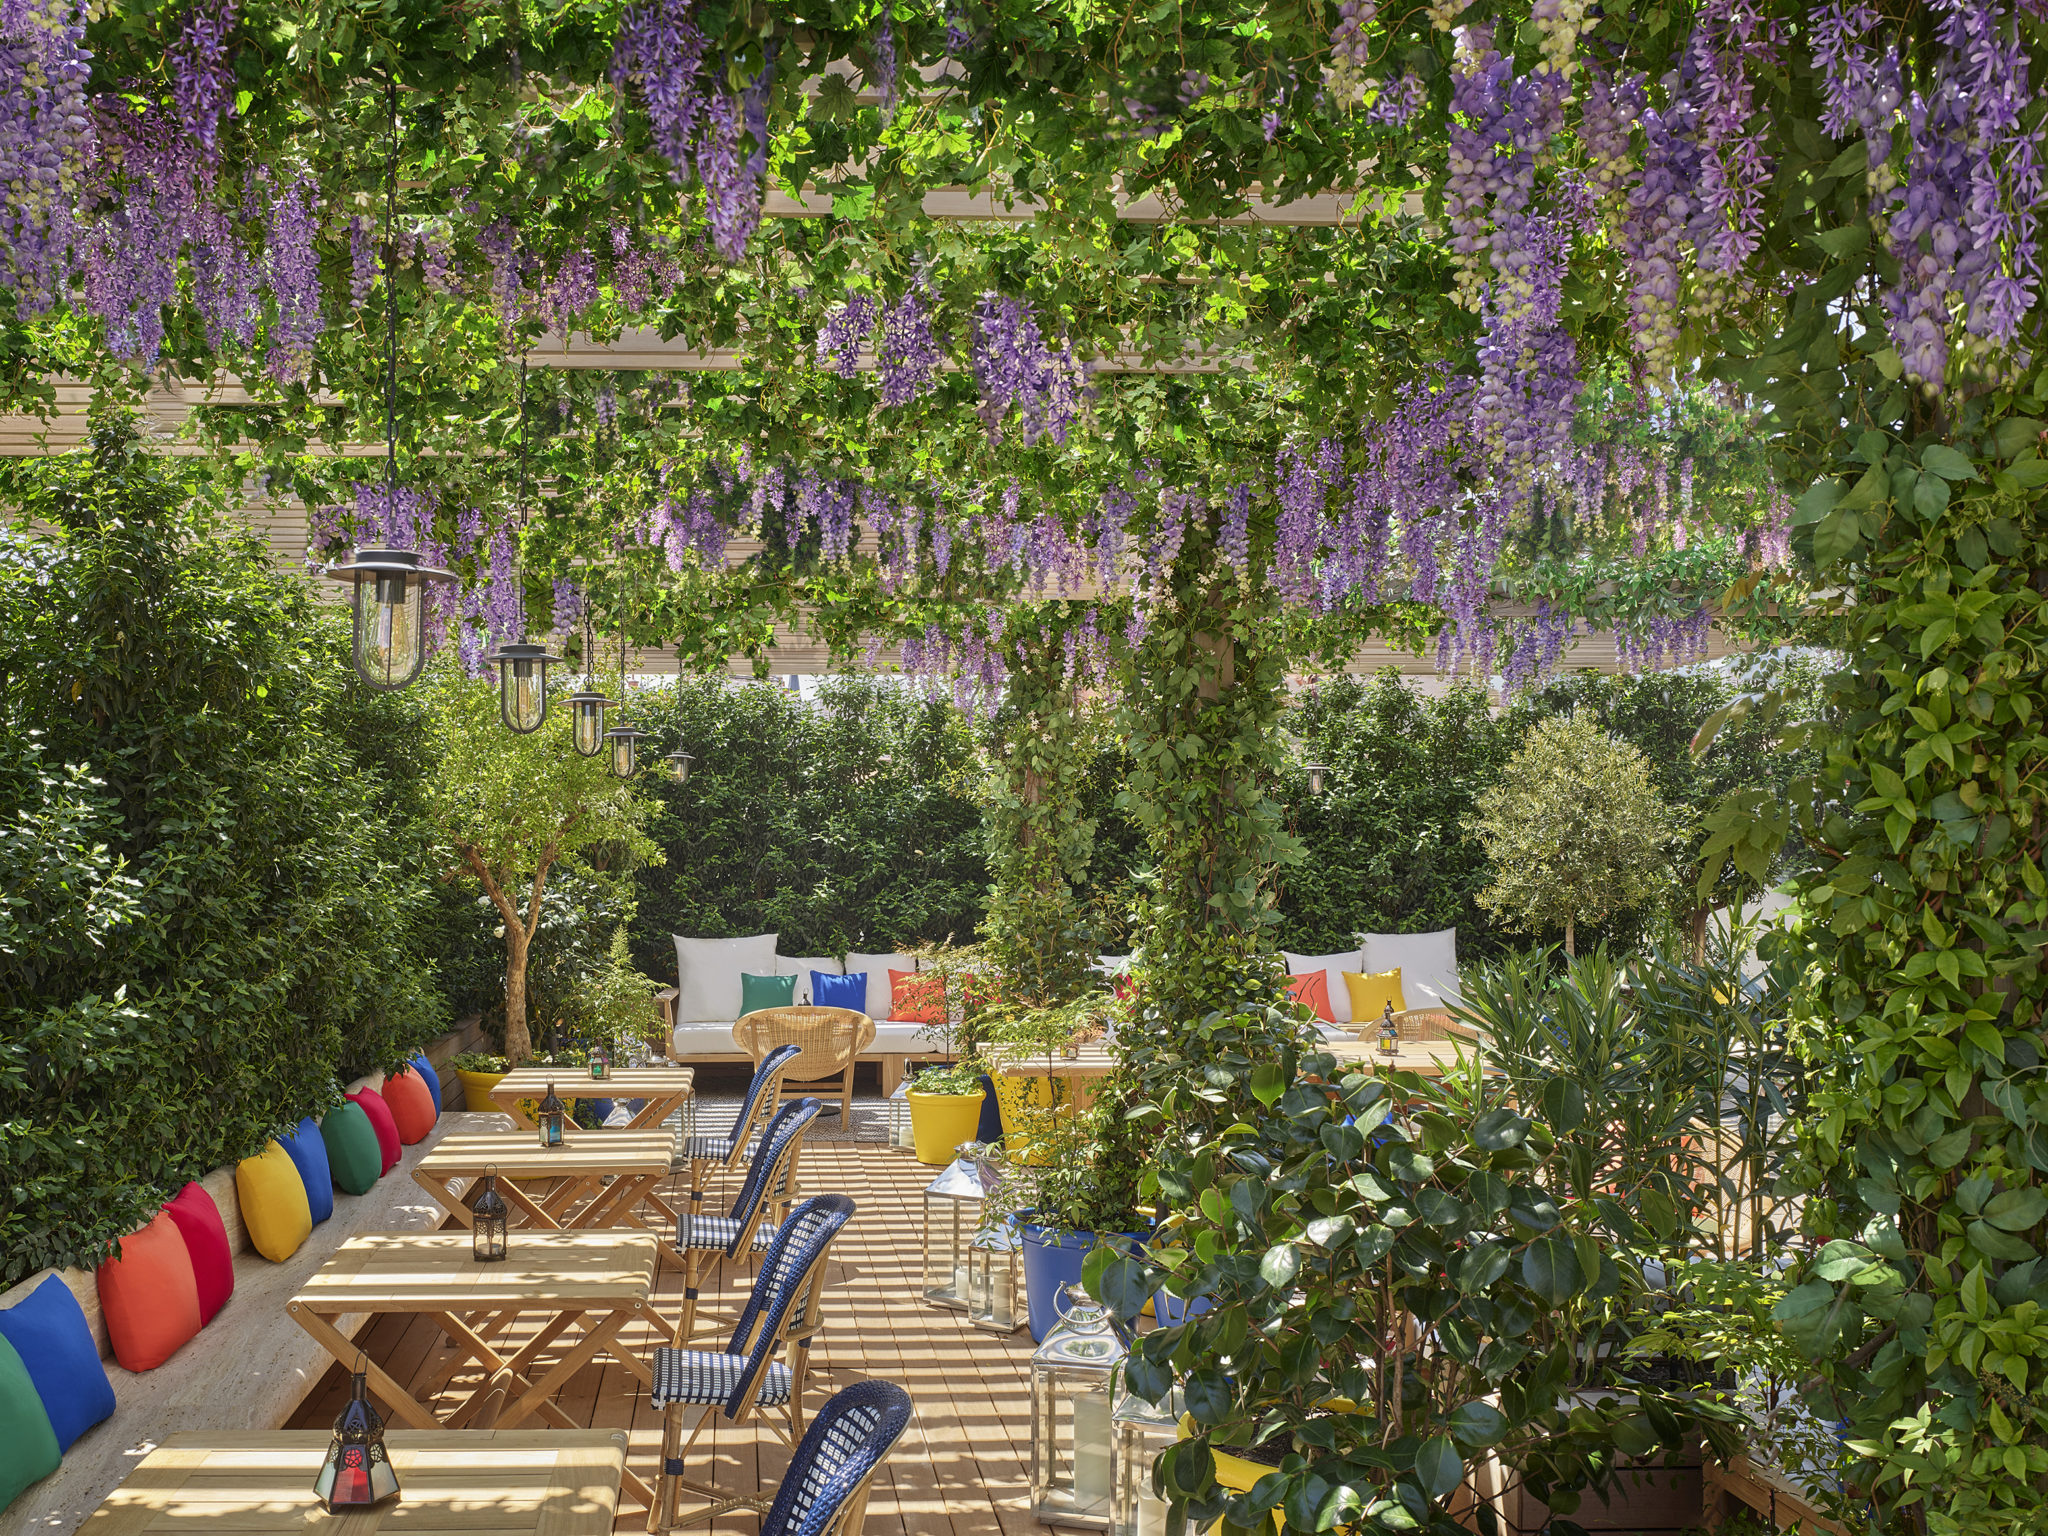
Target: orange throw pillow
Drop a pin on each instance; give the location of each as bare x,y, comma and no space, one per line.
411,1106
917,999
149,1297
1313,992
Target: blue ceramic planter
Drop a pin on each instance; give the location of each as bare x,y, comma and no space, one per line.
1052,1262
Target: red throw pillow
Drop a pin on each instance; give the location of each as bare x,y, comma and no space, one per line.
206,1240
372,1104
411,1106
1313,991
917,999
148,1296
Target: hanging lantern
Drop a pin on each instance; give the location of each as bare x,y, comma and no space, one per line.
491,1220
390,614
679,765
357,1473
952,1212
552,1119
1072,1373
1143,1431
625,745
586,714
600,1063
523,685
1315,777
995,1281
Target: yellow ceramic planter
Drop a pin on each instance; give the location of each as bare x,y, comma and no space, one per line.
1234,1473
477,1086
1028,1105
939,1122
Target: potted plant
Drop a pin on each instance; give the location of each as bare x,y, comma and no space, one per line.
1030,1103
945,1108
480,1072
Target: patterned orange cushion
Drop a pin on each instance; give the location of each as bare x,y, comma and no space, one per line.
1313,992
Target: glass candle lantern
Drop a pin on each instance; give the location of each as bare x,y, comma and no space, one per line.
624,742
995,1281
1390,1033
1072,1374
1143,1432
490,1221
522,685
357,1472
901,1135
552,1120
952,1212
600,1063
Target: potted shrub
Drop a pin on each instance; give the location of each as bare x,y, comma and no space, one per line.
945,1109
480,1072
1030,1104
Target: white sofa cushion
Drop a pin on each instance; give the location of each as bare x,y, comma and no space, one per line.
708,974
1428,963
877,969
1333,967
893,1037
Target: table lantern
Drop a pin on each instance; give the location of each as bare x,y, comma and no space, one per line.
552,1119
995,1281
902,1135
1390,1033
490,1220
357,1473
1144,1431
600,1063
952,1212
1072,1374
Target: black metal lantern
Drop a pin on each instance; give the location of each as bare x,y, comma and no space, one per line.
586,713
357,1472
679,765
1390,1033
390,614
491,1220
625,745
523,685
1315,777
552,1120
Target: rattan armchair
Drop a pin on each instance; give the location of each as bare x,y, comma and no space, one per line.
829,1041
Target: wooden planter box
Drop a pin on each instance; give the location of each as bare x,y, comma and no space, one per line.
1743,1484
1660,1498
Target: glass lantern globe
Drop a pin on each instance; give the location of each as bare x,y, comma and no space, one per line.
390,630
1072,1375
1143,1432
490,1221
586,714
600,1064
523,686
901,1135
995,1281
1316,773
357,1471
625,747
952,1213
679,765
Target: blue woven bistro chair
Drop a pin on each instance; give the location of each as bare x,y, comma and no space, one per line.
825,1490
746,1229
784,1313
701,1155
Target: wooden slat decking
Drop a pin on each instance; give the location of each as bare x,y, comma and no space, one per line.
963,1466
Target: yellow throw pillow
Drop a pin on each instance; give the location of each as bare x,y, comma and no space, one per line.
1371,991
273,1201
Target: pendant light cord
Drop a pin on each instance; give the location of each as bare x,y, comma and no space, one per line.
391,305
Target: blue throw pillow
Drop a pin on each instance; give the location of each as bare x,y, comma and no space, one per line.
48,1330
307,1149
840,991
425,1068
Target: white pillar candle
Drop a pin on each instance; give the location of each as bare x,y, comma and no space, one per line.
1091,1448
1151,1515
1004,1311
960,1281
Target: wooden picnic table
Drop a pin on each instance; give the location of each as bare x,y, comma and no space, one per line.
506,1482
592,1282
1429,1058
636,1162
665,1088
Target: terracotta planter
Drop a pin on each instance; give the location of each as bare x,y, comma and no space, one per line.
940,1122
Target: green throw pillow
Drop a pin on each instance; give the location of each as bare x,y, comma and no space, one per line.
758,992
353,1156
28,1446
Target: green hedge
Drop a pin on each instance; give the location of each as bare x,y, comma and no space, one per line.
212,896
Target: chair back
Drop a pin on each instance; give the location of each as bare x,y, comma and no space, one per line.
764,1098
827,1038
785,1292
825,1490
772,1170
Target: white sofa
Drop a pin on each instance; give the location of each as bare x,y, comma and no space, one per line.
706,1001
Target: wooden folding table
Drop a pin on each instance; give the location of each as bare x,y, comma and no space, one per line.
595,1283
665,1088
636,1162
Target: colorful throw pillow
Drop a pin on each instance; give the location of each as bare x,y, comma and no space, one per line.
48,1330
429,1076
1333,968
148,1296
275,1211
758,992
1371,991
28,1445
412,1107
206,1240
389,1150
1312,992
353,1151
308,1152
840,991
917,999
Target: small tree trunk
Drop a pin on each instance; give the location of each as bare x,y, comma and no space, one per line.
518,1040
1569,952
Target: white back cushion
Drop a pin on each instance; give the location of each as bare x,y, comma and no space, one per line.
877,969
708,975
1428,962
1333,967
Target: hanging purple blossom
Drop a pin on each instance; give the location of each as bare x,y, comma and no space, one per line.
292,267
882,48
568,606
1013,366
845,332
659,54
499,242
571,292
908,358
46,143
202,82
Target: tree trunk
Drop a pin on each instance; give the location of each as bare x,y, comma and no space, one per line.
518,1039
1569,952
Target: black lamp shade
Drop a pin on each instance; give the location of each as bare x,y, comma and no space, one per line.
357,1472
523,686
586,713
491,1221
625,745
390,614
553,1120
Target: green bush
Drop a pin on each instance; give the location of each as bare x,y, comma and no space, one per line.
211,898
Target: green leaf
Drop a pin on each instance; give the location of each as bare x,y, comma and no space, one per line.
1282,1262
1499,1129
1438,1466
2014,435
1550,1268
1564,1104
1846,240
2017,1210
1409,1165
1268,1083
1994,1244
1122,1286
1837,536
1947,463
1819,500
1478,1424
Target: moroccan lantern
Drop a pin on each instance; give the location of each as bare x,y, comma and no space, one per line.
552,1120
357,1472
490,1221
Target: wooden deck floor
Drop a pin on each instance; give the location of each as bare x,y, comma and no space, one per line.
961,1470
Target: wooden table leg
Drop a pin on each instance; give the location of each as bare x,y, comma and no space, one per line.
443,1191
595,1337
346,1351
520,1200
657,1109
509,1103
